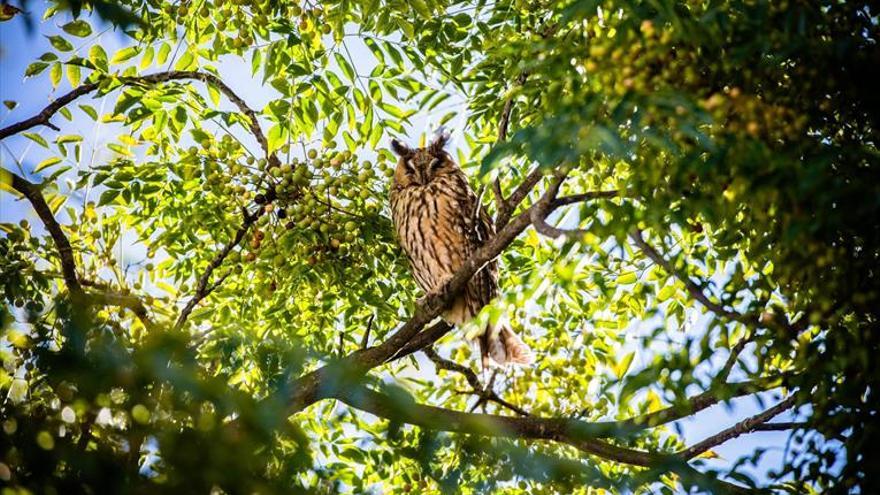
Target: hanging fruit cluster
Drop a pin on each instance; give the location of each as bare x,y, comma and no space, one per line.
321,207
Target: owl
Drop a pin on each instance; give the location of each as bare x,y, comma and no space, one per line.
438,226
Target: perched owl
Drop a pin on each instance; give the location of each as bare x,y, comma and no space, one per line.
435,216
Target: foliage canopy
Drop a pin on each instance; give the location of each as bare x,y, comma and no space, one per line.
686,196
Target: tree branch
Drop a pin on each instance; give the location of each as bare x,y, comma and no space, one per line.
700,402
583,197
501,203
32,192
523,190
579,434
484,392
748,425
43,117
128,301
202,289
695,291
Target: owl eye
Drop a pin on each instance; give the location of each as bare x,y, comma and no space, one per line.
435,163
410,169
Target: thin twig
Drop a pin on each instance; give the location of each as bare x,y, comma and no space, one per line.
365,341
695,291
202,289
485,393
523,190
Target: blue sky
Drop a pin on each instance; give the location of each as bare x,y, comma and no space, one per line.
19,48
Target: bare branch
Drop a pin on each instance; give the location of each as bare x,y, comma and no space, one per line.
43,117
365,341
735,351
484,392
583,197
782,426
748,425
548,230
501,203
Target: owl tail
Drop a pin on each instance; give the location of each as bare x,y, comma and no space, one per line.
503,346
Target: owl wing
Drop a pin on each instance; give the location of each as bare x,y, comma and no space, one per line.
479,228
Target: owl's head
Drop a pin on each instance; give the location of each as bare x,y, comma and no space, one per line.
420,166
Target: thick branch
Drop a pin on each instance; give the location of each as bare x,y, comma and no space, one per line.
424,339
579,434
65,251
748,425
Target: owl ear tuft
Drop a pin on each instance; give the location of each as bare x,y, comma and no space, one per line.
436,147
401,149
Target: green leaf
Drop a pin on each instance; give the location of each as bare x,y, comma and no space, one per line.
36,138
90,110
276,137
10,104
255,61
35,69
98,56
377,52
68,138
123,54
346,67
665,293
48,162
623,365
122,150
74,75
60,43
164,51
187,60
147,59
55,74
108,196
79,28
214,93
